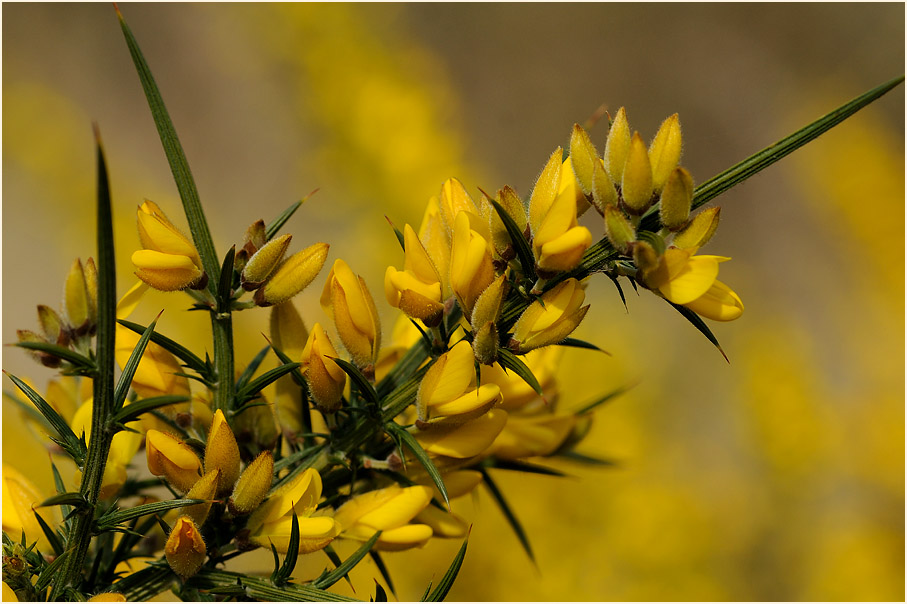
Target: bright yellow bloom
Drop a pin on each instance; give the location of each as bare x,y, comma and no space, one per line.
471,268
347,301
325,378
448,387
416,290
171,458
453,200
169,260
185,550
388,510
20,497
292,275
691,281
272,521
557,242
253,484
264,261
123,448
451,438
532,436
552,319
204,488
156,373
222,452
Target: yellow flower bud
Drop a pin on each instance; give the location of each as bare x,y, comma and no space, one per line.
20,497
584,157
699,230
435,237
485,343
454,199
617,147
676,198
256,235
77,301
253,484
123,448
52,325
222,453
347,301
185,550
664,152
448,387
91,285
516,209
156,373
636,186
45,358
552,319
416,290
264,261
204,488
537,435
388,510
603,192
272,521
108,596
463,440
691,281
471,268
621,233
488,304
292,275
169,260
325,378
171,458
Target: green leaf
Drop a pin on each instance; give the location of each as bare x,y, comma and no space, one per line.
447,581
135,357
400,433
70,498
508,360
380,594
182,176
382,568
297,375
341,571
132,411
183,354
81,362
586,459
575,343
523,466
252,367
225,283
52,537
699,324
603,399
365,387
520,245
70,442
508,513
103,384
274,227
48,574
400,238
116,517
283,574
251,390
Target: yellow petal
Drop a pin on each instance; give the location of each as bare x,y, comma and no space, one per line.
398,510
719,303
405,537
486,394
131,299
466,440
692,280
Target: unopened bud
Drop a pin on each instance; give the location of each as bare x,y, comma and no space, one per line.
185,550
253,485
256,235
636,186
46,359
91,284
603,192
488,304
676,198
347,300
584,157
264,262
204,488
293,275
550,319
485,343
647,261
700,229
617,147
76,299
222,453
52,325
619,230
664,152
324,377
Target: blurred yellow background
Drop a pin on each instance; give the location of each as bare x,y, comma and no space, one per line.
779,476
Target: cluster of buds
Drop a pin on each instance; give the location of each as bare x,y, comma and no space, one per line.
74,327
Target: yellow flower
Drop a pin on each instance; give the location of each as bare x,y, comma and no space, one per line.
462,440
171,458
222,452
557,242
442,523
457,483
272,521
122,449
516,209
169,260
292,275
253,484
20,497
156,373
435,237
448,387
416,290
325,378
552,319
454,199
185,550
535,435
692,281
699,230
204,488
347,301
471,268
388,510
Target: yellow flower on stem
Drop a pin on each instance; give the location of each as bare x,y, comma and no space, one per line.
324,377
389,510
692,281
534,435
551,319
471,268
222,452
448,387
185,549
169,260
347,301
416,290
171,458
450,437
272,521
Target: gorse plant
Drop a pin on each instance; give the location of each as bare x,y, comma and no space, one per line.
346,437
